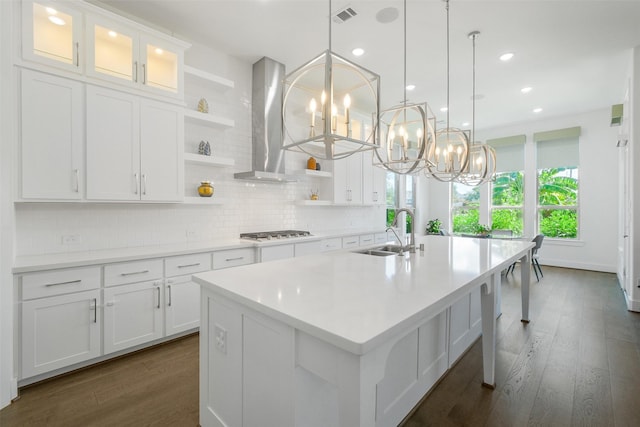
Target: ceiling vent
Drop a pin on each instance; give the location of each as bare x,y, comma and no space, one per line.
343,15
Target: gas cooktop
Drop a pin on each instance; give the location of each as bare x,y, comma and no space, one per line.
272,235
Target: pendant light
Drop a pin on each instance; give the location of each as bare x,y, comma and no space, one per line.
481,166
447,154
405,130
330,107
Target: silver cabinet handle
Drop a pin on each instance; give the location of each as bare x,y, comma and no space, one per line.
95,310
144,184
189,265
144,74
77,176
234,259
77,55
158,288
134,272
70,282
135,71
135,177
169,289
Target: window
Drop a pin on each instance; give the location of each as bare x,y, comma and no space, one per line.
392,196
507,191
465,208
557,182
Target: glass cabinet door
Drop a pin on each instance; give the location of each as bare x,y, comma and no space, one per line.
51,34
112,52
161,65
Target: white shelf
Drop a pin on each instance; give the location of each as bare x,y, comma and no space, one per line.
203,200
209,119
314,203
314,173
199,159
221,82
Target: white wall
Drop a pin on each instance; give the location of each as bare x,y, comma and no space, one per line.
596,247
633,294
7,118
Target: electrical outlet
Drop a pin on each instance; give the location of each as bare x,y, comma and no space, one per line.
71,239
192,234
221,338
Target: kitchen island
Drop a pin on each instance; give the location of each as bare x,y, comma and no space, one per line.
341,338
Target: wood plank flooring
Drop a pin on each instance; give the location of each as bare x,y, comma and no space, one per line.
576,364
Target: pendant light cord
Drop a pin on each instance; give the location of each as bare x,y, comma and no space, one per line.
405,54
473,91
447,7
330,26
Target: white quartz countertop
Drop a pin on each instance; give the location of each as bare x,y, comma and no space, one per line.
357,301
30,263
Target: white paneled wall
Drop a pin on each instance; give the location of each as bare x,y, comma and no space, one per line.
247,206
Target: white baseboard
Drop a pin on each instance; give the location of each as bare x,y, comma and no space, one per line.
632,305
578,265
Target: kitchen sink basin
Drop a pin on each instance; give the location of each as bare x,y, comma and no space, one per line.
387,250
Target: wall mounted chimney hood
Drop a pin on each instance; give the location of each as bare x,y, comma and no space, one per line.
266,123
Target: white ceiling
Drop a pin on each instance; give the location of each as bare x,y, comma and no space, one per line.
574,53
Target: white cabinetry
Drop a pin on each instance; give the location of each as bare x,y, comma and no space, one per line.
132,315
182,295
347,180
51,137
125,55
331,244
373,182
134,148
52,34
60,323
233,258
273,253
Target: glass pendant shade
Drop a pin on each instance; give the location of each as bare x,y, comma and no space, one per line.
330,108
481,166
448,154
405,132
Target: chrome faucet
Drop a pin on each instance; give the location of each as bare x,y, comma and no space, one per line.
412,243
399,239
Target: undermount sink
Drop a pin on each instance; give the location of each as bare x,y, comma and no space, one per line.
386,250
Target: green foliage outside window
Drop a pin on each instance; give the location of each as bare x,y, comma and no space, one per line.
507,219
465,220
558,187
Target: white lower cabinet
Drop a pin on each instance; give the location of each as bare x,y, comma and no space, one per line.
273,253
182,305
132,315
59,331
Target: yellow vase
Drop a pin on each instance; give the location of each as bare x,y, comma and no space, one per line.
311,163
205,189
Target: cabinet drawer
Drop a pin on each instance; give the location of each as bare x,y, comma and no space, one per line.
350,242
307,248
331,244
58,282
274,253
366,239
131,272
381,238
187,264
233,258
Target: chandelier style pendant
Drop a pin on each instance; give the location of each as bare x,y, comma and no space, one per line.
481,166
330,107
406,130
448,153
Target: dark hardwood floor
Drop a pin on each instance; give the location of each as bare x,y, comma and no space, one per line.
576,364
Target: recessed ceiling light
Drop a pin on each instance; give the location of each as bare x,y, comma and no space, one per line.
465,124
51,11
537,110
56,20
506,56
444,109
387,15
112,33
526,89
358,51
159,51
411,87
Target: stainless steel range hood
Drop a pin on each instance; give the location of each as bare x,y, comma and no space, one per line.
266,122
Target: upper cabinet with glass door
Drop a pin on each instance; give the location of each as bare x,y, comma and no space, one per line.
85,39
122,54
52,34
